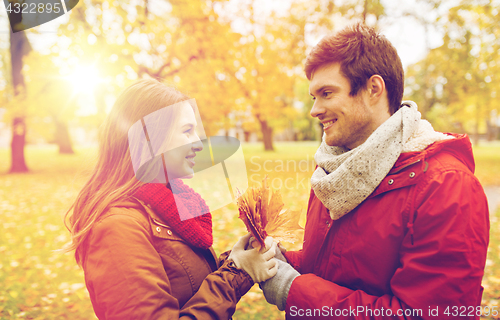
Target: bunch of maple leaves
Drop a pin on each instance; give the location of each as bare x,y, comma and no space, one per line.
263,215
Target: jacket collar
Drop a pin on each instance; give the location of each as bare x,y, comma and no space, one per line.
460,147
410,166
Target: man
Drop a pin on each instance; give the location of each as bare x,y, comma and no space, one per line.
397,224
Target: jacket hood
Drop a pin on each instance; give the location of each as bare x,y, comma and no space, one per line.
460,147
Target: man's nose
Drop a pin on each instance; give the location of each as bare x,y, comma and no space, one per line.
316,109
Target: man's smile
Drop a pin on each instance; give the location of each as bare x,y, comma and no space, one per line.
328,124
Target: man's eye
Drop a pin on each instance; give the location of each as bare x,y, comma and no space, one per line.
326,94
313,98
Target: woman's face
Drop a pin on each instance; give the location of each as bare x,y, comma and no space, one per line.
179,160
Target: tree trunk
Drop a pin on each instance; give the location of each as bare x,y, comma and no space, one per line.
18,163
267,135
475,136
62,138
226,125
491,129
19,46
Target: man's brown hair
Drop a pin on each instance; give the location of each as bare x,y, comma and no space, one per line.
362,53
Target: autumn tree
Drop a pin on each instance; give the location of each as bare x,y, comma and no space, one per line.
458,78
51,96
181,43
19,47
267,60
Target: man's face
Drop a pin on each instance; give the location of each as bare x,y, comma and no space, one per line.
347,121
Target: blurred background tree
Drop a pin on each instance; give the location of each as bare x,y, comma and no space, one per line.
19,48
242,60
454,85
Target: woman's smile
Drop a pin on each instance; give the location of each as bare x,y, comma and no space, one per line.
190,159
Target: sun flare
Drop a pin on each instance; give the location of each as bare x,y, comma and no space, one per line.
84,79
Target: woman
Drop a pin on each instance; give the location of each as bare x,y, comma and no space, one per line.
141,259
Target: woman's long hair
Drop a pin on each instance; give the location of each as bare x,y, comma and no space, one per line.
113,177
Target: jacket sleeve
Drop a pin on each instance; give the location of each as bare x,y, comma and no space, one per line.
126,278
440,272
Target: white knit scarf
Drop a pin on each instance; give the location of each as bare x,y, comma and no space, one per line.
344,178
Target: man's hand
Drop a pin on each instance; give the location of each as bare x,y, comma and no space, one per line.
259,264
276,289
280,252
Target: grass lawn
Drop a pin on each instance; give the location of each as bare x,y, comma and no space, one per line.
39,283
488,164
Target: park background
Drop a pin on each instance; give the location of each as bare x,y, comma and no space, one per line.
242,61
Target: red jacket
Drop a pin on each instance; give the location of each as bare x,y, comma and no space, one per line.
418,242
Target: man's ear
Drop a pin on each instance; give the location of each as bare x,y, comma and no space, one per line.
375,87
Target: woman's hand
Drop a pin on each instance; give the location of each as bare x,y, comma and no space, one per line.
259,264
280,250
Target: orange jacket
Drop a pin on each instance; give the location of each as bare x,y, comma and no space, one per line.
417,243
136,267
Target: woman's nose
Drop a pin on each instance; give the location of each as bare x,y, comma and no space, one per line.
197,144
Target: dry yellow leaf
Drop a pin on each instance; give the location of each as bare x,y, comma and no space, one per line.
264,217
